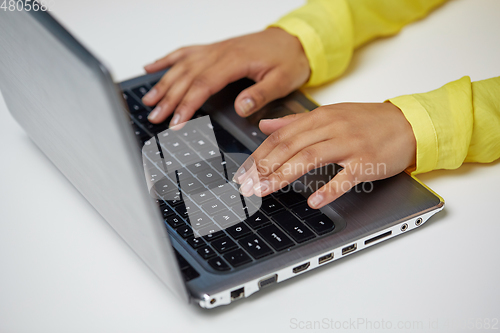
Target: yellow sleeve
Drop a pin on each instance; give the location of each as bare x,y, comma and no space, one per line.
330,30
457,123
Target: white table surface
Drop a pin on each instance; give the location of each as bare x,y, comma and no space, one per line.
63,269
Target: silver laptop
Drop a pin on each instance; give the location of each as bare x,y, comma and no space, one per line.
168,193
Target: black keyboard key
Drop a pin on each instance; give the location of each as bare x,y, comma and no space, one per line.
218,189
291,199
174,198
321,224
303,211
156,128
257,220
140,134
140,91
231,198
199,220
213,207
165,186
223,244
226,219
186,156
278,240
197,167
184,231
160,202
173,145
211,233
209,176
218,264
189,185
237,258
255,246
166,211
201,197
174,221
186,210
293,227
271,206
239,230
142,116
196,242
134,106
206,252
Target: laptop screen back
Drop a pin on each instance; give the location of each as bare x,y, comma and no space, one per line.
69,106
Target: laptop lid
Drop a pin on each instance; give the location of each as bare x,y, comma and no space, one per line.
66,101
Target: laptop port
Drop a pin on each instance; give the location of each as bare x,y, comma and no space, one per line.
268,281
376,238
301,268
419,221
237,294
325,258
404,227
349,249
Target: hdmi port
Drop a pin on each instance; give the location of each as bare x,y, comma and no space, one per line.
301,268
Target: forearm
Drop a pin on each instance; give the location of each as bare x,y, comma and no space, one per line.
330,30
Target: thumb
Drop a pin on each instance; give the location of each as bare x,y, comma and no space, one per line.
271,87
268,126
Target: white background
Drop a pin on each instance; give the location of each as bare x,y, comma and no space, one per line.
63,269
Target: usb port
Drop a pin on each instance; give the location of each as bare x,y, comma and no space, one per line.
325,258
349,249
301,268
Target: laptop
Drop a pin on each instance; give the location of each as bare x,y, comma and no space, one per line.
169,192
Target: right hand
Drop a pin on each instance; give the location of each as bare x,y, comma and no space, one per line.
272,58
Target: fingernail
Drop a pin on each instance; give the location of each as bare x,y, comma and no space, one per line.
247,186
238,174
316,200
262,186
175,120
154,113
246,105
152,93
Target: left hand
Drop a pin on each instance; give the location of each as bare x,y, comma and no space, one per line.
370,141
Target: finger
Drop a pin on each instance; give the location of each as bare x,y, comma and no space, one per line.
267,126
170,78
166,61
284,134
336,187
288,148
204,85
169,102
272,86
307,159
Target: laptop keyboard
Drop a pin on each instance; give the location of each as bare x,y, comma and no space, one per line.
209,216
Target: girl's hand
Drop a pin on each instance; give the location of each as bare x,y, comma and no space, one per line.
272,58
370,141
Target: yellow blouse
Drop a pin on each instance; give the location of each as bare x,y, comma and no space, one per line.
459,122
